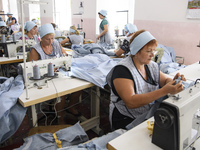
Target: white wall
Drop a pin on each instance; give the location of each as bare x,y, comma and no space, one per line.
46,12
166,20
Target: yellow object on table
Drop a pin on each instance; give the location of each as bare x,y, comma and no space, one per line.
150,126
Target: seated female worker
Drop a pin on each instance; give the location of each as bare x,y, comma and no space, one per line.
74,37
129,29
50,48
136,82
31,31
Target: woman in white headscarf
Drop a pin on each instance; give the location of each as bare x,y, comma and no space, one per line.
129,29
31,31
137,84
104,36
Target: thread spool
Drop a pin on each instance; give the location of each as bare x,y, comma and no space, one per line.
14,38
50,70
36,72
3,38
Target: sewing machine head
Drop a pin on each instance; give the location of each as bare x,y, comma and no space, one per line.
11,48
176,121
62,62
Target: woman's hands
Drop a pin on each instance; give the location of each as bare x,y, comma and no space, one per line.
171,88
179,75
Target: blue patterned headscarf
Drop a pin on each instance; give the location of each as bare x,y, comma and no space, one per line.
140,41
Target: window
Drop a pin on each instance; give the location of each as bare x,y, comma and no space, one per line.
34,12
118,11
62,14
10,6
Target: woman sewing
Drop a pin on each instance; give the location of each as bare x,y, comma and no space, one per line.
74,37
104,36
129,29
136,82
51,48
31,32
48,47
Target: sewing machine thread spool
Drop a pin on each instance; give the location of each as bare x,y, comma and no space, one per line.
50,70
14,38
3,38
36,72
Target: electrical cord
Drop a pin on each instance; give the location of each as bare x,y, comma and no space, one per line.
43,114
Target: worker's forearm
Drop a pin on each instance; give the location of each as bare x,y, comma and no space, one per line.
139,100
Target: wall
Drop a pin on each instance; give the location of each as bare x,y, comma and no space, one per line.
88,17
46,12
166,20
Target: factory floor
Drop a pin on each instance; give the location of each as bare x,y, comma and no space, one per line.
84,107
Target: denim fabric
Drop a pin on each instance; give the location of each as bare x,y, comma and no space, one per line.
170,67
45,141
146,115
93,48
97,143
184,83
101,142
93,68
11,113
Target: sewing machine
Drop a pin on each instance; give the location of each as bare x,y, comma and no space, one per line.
177,120
10,47
62,62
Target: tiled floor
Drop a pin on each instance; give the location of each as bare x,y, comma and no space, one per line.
84,107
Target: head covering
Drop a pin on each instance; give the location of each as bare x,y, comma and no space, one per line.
2,24
1,19
140,41
72,29
103,12
130,28
35,21
29,25
45,29
10,14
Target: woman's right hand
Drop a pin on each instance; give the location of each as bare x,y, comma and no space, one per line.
171,88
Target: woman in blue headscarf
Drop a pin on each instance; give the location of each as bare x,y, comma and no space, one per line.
31,31
74,37
129,29
104,36
48,47
51,48
137,84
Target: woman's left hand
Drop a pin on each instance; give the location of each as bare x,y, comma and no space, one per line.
179,75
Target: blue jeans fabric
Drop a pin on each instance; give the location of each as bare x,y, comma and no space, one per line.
11,113
45,141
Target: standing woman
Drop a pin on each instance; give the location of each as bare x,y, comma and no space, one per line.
31,31
10,21
104,36
130,29
74,37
